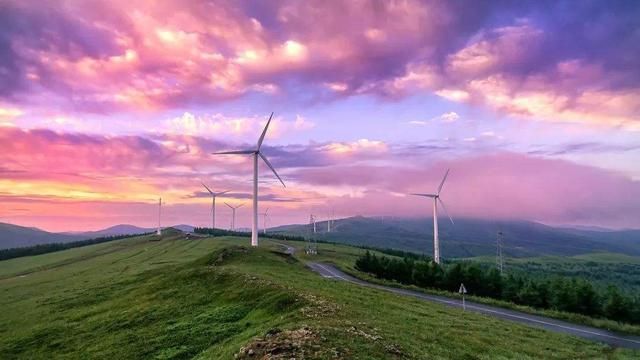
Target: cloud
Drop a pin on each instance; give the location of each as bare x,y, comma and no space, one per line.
57,174
447,117
525,187
221,126
531,60
8,114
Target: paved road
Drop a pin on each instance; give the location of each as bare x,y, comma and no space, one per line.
289,250
604,336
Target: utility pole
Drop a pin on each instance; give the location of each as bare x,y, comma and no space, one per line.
499,259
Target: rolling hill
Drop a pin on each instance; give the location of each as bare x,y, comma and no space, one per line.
471,237
183,299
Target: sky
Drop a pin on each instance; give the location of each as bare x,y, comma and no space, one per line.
105,106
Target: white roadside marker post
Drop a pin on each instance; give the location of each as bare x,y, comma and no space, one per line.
463,291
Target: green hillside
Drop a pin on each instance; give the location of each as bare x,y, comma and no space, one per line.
214,298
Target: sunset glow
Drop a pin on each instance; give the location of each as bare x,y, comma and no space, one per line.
107,105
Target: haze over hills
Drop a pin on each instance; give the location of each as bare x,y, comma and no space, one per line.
13,236
19,236
468,237
471,237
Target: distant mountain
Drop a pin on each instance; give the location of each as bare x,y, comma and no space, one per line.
184,227
125,229
12,236
122,229
471,237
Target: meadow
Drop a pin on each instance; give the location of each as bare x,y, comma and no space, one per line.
218,297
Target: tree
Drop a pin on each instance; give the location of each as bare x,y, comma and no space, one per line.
615,305
587,299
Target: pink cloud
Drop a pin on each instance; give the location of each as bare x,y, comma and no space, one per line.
502,186
129,55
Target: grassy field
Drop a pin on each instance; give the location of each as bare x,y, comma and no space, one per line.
216,298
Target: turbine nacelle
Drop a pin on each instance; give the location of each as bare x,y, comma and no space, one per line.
436,196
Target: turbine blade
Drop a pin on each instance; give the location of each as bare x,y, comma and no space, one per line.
271,167
239,206
445,210
426,195
235,152
442,183
264,132
209,190
222,192
229,205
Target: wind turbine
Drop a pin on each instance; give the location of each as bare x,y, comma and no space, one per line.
159,232
436,199
265,214
233,215
213,204
256,153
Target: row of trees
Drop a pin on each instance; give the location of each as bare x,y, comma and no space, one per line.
6,254
558,293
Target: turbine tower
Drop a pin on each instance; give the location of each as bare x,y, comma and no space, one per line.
313,222
436,199
233,215
265,214
213,204
159,232
255,153
499,259
331,216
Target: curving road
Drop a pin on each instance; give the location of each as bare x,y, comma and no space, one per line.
586,332
289,250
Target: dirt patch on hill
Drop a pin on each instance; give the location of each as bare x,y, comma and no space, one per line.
303,343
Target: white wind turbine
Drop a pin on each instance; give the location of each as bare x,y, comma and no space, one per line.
436,199
233,215
213,204
265,215
256,153
159,232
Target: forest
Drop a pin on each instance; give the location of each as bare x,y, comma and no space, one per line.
557,292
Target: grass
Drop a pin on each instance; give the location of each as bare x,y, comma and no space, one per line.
209,298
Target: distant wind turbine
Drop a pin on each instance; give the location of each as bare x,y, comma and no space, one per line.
213,204
265,215
233,215
159,232
256,153
436,199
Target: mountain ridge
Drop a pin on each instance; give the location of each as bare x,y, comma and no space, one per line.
470,237
15,236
